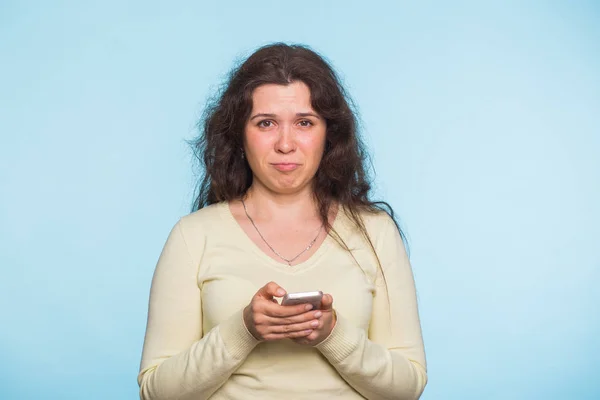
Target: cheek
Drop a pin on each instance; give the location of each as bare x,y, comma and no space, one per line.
313,147
257,144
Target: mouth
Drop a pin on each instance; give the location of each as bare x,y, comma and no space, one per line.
284,167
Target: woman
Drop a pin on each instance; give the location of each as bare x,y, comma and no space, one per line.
283,207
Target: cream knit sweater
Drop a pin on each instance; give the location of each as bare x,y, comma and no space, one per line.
197,346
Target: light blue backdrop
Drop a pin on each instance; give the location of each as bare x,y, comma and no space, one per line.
483,118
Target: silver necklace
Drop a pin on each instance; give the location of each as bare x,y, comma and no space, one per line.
288,261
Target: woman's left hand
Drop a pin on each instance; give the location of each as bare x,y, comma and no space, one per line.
326,323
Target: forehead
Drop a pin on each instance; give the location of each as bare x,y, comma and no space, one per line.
272,97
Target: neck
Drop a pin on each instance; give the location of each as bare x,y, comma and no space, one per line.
267,205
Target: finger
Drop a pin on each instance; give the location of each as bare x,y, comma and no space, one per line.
309,339
294,319
278,311
304,326
302,340
287,335
270,290
327,302
312,336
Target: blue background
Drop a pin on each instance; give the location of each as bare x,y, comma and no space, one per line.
482,118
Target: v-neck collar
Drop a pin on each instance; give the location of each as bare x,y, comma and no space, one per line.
240,234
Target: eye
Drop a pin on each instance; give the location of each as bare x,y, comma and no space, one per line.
265,123
306,123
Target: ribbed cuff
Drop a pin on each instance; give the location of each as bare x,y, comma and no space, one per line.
238,341
342,341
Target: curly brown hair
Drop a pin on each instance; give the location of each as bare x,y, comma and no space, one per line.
342,177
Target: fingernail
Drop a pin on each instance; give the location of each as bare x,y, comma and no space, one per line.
314,323
308,331
318,314
308,307
280,292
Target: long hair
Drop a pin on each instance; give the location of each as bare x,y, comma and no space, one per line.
342,177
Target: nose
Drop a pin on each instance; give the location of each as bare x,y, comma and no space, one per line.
285,141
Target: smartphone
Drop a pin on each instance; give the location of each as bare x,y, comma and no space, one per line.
292,299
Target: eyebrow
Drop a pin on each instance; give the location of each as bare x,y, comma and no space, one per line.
265,115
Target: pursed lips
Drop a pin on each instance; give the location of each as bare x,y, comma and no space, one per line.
285,166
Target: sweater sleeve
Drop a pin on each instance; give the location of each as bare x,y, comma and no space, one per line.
178,362
388,362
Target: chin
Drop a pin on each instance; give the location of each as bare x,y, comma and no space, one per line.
287,187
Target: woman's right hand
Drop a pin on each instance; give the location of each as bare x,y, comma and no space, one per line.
266,320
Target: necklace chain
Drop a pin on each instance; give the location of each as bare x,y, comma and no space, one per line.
288,261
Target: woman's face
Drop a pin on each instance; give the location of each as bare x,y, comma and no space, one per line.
284,138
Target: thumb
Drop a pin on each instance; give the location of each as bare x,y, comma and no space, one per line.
271,290
327,302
